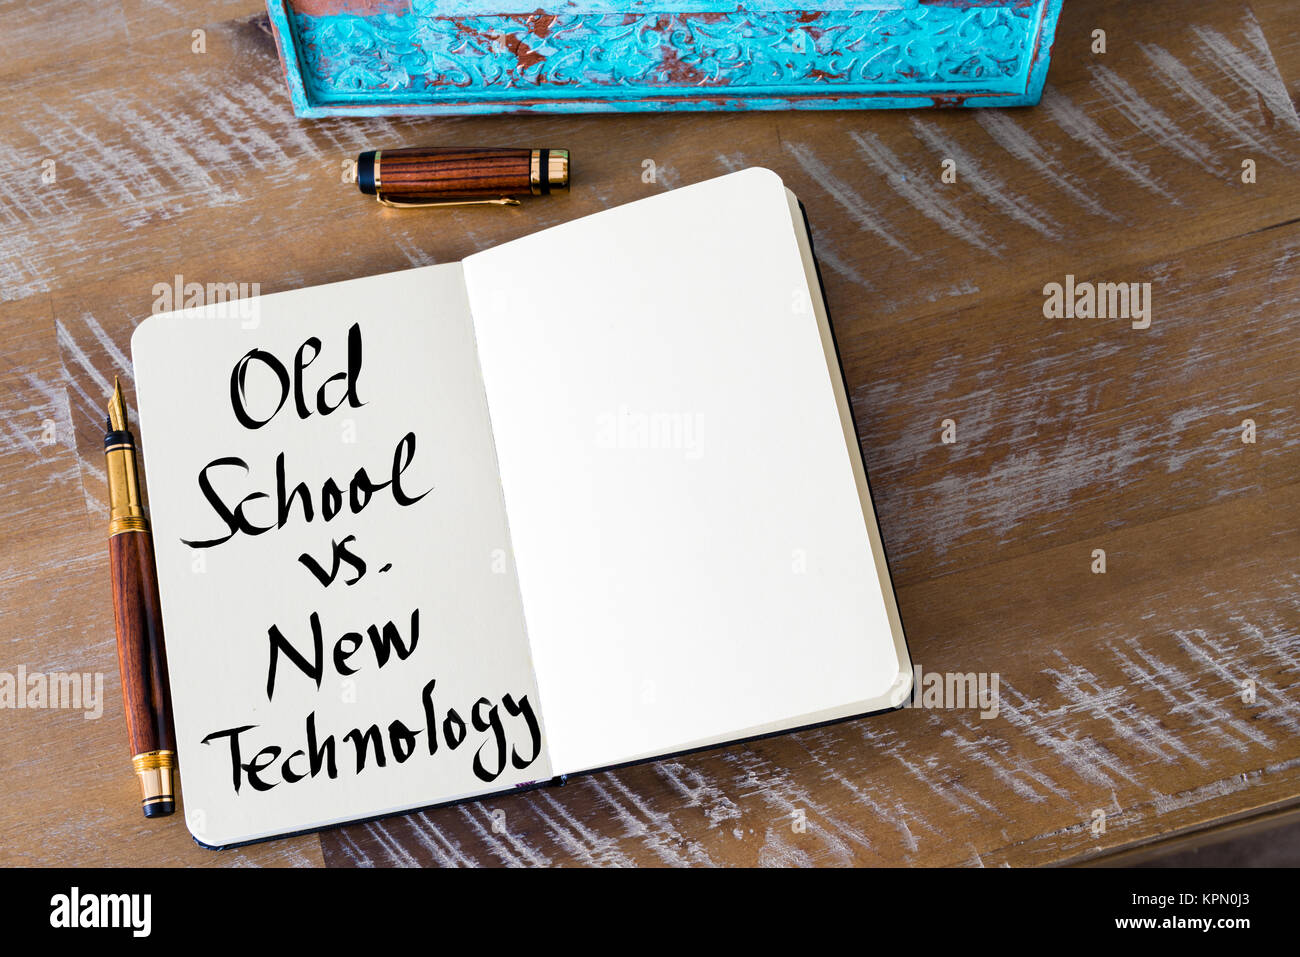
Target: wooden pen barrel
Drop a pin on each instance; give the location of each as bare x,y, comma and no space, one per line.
140,655
430,174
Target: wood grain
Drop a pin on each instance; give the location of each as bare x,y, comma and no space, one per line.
1121,693
141,657
433,173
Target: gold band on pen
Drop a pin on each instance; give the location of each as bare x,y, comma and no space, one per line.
557,169
126,512
154,770
127,523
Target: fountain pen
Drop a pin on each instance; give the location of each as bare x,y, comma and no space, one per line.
458,176
138,617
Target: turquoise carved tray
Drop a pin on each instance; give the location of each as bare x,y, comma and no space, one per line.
421,57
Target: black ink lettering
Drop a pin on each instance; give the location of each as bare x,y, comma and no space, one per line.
299,367
402,740
233,734
493,723
283,502
341,552
363,741
322,755
534,729
341,655
313,670
354,369
290,775
453,729
238,394
261,761
430,719
402,457
235,521
391,639
331,499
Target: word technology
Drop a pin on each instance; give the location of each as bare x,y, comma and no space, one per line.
498,736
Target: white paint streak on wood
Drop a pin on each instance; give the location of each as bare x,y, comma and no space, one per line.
1021,479
18,440
786,797
848,197
174,152
397,855
1056,730
506,845
122,364
58,409
21,273
1221,788
94,409
650,827
777,851
925,199
108,170
352,850
1153,121
412,252
923,769
1086,132
894,815
1256,75
1206,712
1273,703
732,162
831,259
1087,694
963,287
445,849
697,791
160,165
586,846
986,183
91,408
264,98
994,751
1185,85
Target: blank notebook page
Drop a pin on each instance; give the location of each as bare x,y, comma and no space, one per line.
687,529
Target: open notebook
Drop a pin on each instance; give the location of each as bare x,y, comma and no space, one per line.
588,497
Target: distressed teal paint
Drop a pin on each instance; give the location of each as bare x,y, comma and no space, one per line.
459,57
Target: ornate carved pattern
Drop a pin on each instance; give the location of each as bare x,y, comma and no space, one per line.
921,51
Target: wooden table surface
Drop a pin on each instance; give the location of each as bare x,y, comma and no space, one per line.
1121,694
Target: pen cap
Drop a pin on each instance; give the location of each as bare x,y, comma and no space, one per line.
430,174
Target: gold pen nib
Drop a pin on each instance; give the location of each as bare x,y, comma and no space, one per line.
117,409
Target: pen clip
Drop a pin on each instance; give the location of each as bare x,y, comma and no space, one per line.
501,201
